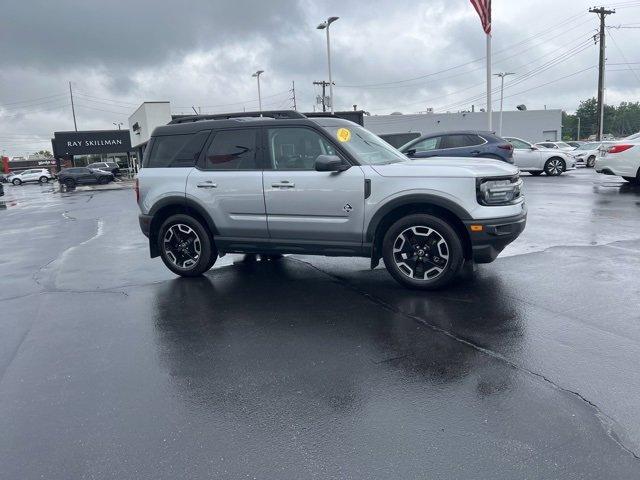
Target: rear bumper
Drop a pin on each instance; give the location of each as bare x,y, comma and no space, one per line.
495,235
145,223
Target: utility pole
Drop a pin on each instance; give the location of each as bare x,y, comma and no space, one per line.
73,109
578,136
324,85
602,13
501,75
293,91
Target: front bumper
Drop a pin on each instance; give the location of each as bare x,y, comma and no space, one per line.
494,236
145,223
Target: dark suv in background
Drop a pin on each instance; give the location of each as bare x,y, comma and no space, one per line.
71,177
460,144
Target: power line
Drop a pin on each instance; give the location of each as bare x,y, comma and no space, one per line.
623,56
537,35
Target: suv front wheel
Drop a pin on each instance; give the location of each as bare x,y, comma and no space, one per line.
185,246
422,251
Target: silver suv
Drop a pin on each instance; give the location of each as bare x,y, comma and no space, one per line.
287,183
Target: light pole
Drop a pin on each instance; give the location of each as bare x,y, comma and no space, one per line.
578,136
325,26
257,75
117,124
501,75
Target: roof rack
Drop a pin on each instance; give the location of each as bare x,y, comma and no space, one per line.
277,114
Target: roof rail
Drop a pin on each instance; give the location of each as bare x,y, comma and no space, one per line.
277,114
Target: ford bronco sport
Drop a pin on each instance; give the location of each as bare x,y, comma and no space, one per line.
282,182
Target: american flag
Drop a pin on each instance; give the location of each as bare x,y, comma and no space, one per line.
483,7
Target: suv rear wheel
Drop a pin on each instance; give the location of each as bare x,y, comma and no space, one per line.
422,251
185,246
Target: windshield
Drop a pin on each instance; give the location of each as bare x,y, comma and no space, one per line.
367,147
634,136
588,146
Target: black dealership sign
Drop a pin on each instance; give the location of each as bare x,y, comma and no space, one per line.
93,141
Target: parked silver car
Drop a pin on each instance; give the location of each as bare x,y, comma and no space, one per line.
536,159
320,186
38,175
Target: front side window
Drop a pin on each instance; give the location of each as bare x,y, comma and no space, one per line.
232,150
428,144
296,148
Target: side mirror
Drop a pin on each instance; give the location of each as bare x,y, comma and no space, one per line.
330,163
533,147
411,152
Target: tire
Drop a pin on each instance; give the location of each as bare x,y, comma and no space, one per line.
185,246
271,257
103,180
43,179
16,181
591,161
554,166
439,263
633,180
69,183
536,173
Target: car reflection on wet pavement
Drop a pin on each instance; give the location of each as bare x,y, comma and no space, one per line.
110,367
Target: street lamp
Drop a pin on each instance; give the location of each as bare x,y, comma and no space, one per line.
117,124
257,75
325,25
501,75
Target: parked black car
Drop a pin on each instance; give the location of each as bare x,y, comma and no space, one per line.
71,177
107,167
468,143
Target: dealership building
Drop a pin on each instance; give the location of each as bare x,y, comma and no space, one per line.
531,125
77,149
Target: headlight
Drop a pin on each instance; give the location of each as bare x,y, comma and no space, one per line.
499,191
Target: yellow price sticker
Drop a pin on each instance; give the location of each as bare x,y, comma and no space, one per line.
343,134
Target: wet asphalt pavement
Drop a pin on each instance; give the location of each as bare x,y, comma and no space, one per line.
314,367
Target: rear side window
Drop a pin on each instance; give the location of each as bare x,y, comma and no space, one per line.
174,151
232,150
459,141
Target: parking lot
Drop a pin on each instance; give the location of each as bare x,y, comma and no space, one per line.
317,367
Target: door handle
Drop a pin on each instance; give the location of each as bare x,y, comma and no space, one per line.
207,184
475,152
283,184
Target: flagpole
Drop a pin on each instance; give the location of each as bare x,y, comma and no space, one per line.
489,82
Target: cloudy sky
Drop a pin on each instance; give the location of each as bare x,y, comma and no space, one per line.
388,55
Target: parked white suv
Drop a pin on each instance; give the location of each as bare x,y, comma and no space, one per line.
41,175
212,185
535,159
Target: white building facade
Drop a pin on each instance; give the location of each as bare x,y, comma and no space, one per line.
531,125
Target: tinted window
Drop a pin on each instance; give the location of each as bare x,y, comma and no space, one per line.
297,148
459,141
232,150
176,150
432,143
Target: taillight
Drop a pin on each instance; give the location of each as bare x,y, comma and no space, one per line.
137,189
619,148
506,146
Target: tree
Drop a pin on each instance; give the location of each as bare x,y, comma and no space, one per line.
619,121
45,153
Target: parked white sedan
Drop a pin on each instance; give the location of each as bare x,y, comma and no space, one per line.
565,147
621,158
535,160
41,175
587,153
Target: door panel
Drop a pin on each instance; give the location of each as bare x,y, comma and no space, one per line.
228,183
233,199
310,205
